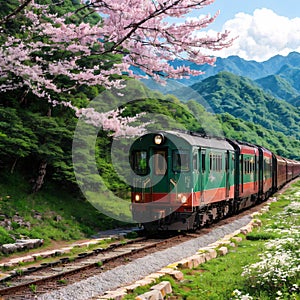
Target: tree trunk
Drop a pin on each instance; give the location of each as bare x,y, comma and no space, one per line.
40,178
13,166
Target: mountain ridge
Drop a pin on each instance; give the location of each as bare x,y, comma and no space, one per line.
239,66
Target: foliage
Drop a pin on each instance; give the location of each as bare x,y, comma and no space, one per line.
5,237
278,87
31,135
286,146
277,272
278,269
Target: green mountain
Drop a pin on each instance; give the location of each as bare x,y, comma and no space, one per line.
244,99
257,134
279,87
291,73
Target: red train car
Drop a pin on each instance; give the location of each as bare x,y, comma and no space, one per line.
246,173
280,171
284,171
296,168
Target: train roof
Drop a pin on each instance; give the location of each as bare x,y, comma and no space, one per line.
244,147
279,158
196,139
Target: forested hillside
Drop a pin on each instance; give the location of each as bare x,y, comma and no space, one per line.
278,87
244,99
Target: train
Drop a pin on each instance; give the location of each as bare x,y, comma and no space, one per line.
183,180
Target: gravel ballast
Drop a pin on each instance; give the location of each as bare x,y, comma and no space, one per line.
139,268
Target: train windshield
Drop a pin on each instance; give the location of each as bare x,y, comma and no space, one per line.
181,161
140,163
160,162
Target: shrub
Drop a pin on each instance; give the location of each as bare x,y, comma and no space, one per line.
255,236
5,238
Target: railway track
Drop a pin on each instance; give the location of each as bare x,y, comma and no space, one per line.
48,276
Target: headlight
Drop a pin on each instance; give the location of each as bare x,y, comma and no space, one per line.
158,139
182,198
137,197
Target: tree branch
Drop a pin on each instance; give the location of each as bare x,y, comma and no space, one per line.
15,12
135,26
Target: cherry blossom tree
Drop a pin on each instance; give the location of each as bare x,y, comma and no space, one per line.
52,55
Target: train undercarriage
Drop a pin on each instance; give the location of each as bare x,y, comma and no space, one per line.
200,216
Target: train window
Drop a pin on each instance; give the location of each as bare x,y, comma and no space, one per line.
219,162
267,166
252,166
246,166
203,162
140,163
181,161
249,166
195,161
215,162
160,162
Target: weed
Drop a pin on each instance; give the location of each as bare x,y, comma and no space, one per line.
132,235
62,281
42,209
33,288
100,263
20,272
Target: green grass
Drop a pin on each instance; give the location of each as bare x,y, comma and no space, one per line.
214,280
217,279
62,215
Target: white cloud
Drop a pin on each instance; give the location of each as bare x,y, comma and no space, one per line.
262,35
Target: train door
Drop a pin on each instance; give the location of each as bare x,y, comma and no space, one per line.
203,170
227,173
141,183
255,172
196,174
242,173
159,173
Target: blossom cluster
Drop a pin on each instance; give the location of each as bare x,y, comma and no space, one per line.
278,270
49,47
238,295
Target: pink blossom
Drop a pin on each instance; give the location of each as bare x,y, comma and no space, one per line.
136,29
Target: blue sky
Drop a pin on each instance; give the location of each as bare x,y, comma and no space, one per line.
264,27
229,8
